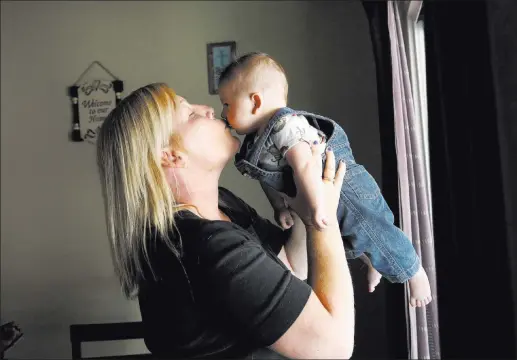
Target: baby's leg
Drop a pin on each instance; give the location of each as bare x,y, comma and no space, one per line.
419,287
367,224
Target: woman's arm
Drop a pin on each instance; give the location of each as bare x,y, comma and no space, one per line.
283,257
255,295
325,327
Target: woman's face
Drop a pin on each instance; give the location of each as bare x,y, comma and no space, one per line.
207,141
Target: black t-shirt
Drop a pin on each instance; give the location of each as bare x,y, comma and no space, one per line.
227,294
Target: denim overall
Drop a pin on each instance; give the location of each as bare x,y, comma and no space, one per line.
366,222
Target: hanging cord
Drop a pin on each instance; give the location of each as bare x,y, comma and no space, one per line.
91,65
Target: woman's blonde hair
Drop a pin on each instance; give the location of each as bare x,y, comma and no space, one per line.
137,197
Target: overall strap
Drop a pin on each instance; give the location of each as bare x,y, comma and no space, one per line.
261,141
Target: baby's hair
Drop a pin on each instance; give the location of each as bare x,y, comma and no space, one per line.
250,66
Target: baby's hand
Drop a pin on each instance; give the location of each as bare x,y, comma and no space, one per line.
283,218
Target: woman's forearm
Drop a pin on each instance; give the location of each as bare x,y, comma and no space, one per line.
329,276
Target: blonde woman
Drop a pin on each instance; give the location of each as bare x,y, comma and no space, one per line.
202,263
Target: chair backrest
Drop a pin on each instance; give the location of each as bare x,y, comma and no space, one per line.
80,333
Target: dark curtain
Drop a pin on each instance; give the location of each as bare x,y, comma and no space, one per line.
377,14
472,262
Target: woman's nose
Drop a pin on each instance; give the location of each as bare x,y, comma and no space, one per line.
204,110
210,113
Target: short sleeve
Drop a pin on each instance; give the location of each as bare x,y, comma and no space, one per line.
290,130
268,233
253,293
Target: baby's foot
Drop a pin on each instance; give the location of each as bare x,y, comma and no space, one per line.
420,289
374,278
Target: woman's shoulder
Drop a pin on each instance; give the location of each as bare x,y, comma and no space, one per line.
199,235
192,240
236,205
229,199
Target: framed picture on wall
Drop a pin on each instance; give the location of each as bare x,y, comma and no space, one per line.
219,55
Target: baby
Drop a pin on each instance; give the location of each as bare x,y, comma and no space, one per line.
276,150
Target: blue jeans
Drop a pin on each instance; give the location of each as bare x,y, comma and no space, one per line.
366,221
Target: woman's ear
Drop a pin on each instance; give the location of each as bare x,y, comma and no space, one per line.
256,98
173,159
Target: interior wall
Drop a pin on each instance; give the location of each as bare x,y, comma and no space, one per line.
55,264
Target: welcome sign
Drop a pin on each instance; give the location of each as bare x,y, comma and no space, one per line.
96,99
92,101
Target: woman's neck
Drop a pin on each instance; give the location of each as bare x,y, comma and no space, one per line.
203,199
206,203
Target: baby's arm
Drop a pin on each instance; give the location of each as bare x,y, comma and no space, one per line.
276,200
308,182
292,135
282,214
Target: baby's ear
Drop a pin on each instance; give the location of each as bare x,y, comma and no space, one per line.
256,99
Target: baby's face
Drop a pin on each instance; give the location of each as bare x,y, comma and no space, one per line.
237,109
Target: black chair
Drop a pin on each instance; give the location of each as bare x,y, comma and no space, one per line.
80,333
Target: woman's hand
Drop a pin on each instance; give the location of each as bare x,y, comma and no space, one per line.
332,181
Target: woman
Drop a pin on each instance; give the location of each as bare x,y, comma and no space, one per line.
202,263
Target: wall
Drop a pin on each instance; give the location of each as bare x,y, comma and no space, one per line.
503,33
55,263
343,75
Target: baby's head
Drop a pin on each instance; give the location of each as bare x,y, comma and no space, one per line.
251,89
